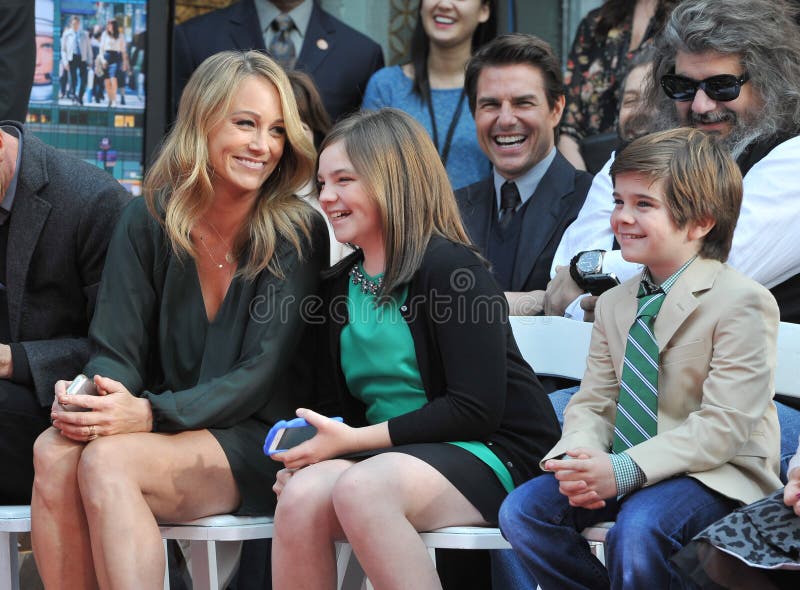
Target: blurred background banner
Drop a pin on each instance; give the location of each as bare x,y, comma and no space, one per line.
69,106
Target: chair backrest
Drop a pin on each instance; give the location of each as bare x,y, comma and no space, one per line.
553,346
787,374
558,347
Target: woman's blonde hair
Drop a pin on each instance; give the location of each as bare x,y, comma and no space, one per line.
178,187
401,170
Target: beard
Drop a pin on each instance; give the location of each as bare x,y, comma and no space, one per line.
745,129
637,125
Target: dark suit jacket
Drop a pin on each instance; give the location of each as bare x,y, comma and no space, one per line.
555,204
63,214
341,71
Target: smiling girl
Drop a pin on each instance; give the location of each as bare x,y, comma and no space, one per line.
442,415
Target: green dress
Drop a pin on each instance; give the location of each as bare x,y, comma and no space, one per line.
235,375
379,363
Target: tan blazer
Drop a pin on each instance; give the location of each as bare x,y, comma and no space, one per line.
716,334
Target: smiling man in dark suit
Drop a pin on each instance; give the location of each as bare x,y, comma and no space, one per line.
516,216
338,58
56,216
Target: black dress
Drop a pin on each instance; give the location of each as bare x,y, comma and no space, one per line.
235,375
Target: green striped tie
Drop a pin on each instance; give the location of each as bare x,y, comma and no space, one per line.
637,408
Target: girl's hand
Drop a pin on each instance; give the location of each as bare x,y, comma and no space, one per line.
332,439
113,411
281,478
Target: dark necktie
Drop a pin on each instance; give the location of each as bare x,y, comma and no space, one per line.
509,199
281,47
637,407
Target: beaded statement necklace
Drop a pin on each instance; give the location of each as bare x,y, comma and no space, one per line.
368,286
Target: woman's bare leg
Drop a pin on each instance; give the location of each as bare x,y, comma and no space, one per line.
128,481
382,502
60,533
303,555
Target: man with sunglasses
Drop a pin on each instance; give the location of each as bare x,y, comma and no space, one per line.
731,68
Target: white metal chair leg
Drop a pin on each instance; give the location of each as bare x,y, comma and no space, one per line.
432,553
9,560
204,565
166,565
343,553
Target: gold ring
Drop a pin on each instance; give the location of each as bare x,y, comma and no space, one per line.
92,433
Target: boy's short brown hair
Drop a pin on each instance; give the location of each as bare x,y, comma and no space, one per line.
701,181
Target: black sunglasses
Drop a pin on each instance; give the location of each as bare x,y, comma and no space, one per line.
724,87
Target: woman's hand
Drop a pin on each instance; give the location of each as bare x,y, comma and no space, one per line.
280,480
114,411
791,493
332,439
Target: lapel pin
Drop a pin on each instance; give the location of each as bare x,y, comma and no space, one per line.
322,44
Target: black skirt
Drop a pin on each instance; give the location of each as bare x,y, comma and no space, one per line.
471,476
253,471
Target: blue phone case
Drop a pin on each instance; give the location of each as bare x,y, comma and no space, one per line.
293,423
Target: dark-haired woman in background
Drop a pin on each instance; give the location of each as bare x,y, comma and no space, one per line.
316,124
606,40
430,86
115,58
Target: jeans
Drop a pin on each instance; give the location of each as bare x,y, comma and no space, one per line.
559,400
789,419
651,525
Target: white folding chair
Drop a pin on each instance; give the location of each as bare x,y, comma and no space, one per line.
13,521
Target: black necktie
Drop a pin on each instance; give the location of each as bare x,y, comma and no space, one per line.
509,199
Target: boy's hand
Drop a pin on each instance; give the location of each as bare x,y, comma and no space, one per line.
791,493
586,478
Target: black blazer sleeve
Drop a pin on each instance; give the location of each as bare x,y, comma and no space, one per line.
464,312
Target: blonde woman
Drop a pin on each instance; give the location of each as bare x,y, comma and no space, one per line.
195,336
442,415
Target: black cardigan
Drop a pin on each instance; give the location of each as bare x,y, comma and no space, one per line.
477,384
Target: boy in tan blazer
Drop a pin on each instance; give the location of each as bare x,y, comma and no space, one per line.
674,424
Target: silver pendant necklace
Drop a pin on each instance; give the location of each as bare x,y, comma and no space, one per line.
210,255
229,258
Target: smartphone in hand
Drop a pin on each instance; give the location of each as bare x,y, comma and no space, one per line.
287,434
81,385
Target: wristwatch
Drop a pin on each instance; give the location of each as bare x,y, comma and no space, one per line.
586,269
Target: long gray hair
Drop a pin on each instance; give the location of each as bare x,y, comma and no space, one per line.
763,33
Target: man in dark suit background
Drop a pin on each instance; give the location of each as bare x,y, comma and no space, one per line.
516,216
56,217
338,58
